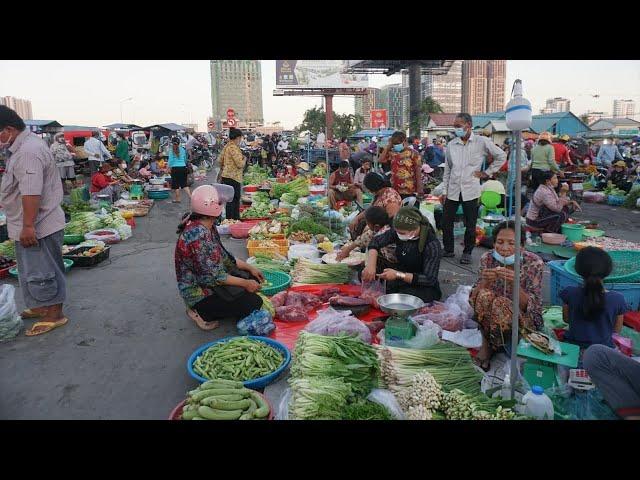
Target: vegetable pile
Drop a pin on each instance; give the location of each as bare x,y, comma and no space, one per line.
307,225
8,249
255,175
277,262
318,398
264,230
258,210
82,223
77,207
221,399
238,359
306,271
113,220
365,410
299,187
6,262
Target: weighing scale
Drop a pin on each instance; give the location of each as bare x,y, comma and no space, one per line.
540,368
400,306
492,221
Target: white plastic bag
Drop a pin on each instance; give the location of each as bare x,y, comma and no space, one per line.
461,299
439,190
10,322
387,400
427,335
282,413
471,338
333,322
125,232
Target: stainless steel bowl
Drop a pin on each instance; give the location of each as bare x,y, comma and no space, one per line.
400,304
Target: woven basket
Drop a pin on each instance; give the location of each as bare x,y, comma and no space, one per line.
626,266
279,281
253,246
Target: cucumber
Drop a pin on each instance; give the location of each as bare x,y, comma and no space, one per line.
248,414
228,398
202,394
221,383
198,418
263,408
189,414
230,405
211,414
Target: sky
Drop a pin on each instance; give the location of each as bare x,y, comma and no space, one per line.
83,92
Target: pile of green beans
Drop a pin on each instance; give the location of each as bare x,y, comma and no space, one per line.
238,359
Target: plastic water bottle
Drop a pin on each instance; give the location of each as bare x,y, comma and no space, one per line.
537,404
529,242
505,391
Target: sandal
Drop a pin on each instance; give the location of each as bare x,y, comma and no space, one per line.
28,313
195,316
48,326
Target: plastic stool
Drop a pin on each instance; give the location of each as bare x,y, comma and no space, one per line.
490,201
131,222
135,192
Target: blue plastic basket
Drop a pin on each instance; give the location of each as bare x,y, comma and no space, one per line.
561,278
256,383
615,200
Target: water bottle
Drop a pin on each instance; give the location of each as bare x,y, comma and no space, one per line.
505,391
529,242
537,404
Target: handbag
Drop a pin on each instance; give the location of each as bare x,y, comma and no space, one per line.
229,293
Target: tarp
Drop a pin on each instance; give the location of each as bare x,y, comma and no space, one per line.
374,132
287,333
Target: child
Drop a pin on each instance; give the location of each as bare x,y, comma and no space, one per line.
144,171
378,222
593,313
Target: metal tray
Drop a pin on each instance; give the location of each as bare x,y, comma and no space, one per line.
400,304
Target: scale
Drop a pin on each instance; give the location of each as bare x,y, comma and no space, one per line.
580,380
398,328
541,368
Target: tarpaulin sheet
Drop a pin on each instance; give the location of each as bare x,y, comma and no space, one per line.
287,332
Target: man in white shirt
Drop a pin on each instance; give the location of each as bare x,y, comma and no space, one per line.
363,145
96,152
282,145
464,160
320,139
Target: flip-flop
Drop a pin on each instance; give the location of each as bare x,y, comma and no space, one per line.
199,321
28,313
48,327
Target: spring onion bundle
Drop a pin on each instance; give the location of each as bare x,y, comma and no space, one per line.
343,356
299,186
318,398
449,364
306,271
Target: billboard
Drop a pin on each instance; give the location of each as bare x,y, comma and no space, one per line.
317,74
379,118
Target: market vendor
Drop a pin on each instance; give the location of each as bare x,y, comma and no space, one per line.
102,183
383,196
119,172
361,172
341,186
618,176
145,172
406,166
547,209
63,155
418,251
491,297
543,160
212,282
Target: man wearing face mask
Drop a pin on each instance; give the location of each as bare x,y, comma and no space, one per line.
31,194
464,159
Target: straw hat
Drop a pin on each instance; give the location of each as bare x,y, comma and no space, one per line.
620,163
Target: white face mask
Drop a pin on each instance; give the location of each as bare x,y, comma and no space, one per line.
407,238
109,174
123,165
4,144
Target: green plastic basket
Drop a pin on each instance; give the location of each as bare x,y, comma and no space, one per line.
67,266
73,239
592,232
279,281
626,266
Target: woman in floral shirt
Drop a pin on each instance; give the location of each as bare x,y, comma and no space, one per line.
492,293
406,166
212,283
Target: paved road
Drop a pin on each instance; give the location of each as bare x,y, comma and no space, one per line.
123,353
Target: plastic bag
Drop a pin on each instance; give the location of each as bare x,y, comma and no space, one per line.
10,322
111,237
439,190
427,335
258,322
468,338
291,313
373,290
331,322
634,336
461,299
449,318
387,400
571,404
125,232
282,412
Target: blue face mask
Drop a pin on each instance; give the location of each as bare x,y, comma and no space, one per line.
510,260
460,132
398,148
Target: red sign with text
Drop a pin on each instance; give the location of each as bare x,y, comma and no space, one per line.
379,118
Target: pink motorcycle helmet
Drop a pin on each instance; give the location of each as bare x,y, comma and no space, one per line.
209,199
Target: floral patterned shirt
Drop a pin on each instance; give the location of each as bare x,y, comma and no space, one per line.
403,172
530,281
385,197
201,262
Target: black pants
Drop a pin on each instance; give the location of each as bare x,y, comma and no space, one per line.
233,207
470,211
214,308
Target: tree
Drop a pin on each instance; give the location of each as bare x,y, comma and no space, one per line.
346,125
429,105
314,120
585,118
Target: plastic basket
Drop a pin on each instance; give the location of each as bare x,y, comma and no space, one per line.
573,231
253,246
73,239
592,232
615,200
561,278
5,271
626,266
240,230
82,261
255,383
177,411
161,195
279,281
13,271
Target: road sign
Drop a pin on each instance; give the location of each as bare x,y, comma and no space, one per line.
231,122
231,113
378,118
211,125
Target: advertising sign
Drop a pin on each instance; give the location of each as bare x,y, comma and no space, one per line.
317,74
379,118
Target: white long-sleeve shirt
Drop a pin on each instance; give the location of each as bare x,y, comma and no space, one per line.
463,160
94,146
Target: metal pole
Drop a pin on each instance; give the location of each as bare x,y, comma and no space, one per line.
516,266
414,98
121,121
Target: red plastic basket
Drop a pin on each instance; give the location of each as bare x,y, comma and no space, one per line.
250,188
177,411
241,230
631,319
131,222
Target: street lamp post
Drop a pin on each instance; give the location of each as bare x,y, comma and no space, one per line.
121,102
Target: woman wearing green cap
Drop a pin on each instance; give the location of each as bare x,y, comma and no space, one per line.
418,251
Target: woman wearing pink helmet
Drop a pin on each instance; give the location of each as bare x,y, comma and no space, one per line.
212,282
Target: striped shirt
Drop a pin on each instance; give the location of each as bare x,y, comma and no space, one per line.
31,170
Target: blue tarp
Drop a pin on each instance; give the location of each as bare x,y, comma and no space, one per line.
374,132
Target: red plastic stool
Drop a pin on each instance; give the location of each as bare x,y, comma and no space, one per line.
131,222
